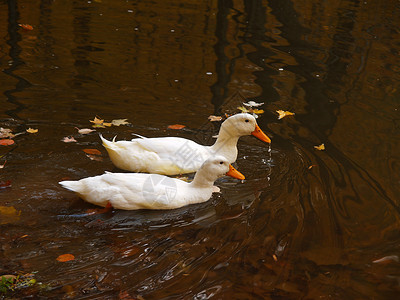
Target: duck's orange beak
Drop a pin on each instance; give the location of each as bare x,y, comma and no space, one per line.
234,173
258,133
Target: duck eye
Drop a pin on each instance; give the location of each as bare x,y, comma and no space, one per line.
221,162
247,120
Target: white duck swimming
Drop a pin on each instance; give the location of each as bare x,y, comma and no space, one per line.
175,155
151,191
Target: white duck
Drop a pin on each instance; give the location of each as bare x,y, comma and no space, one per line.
151,191
175,155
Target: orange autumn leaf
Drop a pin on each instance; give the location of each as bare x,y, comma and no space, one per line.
65,257
176,126
92,151
6,142
26,26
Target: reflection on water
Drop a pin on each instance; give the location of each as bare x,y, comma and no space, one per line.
304,224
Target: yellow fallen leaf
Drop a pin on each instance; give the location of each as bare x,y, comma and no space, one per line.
98,126
118,122
257,111
243,109
31,130
107,124
214,118
320,147
283,114
97,121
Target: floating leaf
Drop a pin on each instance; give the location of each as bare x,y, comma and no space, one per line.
26,26
98,126
31,130
243,109
5,184
214,118
253,104
119,122
250,110
107,124
8,214
176,126
85,130
6,142
92,151
69,139
283,114
97,121
65,257
6,133
310,167
320,147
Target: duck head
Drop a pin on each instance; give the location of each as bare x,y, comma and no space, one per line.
214,168
243,124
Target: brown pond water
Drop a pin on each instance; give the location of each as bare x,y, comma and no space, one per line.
289,231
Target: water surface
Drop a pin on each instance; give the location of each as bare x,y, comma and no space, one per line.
305,223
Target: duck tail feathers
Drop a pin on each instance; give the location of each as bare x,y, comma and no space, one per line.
140,136
71,185
106,143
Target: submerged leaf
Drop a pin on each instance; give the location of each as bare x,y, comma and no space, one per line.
2,166
176,126
283,114
118,122
320,147
8,214
65,257
31,130
94,157
6,142
5,184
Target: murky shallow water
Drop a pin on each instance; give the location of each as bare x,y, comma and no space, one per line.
289,231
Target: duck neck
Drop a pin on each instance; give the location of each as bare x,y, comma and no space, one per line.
203,179
226,145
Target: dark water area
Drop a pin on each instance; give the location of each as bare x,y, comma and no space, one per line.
304,224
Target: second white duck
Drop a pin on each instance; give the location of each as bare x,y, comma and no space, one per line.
175,155
132,191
